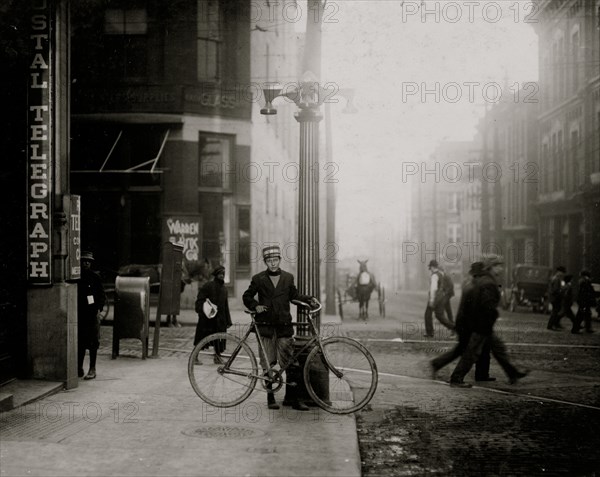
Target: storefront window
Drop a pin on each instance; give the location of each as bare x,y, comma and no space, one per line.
215,171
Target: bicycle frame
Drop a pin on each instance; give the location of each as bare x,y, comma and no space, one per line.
225,369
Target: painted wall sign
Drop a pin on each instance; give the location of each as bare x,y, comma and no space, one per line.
74,254
184,230
39,147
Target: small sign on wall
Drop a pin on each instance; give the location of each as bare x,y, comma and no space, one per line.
73,210
186,231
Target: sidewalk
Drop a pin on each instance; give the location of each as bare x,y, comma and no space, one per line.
142,418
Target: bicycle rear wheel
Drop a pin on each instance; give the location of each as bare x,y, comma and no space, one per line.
228,382
355,387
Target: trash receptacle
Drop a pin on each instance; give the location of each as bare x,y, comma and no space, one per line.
132,310
318,375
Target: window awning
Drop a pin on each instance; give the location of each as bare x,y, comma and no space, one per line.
118,148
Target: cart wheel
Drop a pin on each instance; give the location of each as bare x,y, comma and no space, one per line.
381,294
340,307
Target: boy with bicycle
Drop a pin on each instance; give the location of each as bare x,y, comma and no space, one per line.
275,290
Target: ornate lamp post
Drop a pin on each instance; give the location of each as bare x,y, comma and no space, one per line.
308,96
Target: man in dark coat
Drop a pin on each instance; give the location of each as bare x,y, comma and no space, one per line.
275,289
554,294
486,297
90,301
586,300
216,292
464,326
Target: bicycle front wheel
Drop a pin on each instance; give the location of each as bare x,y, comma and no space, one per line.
346,380
222,370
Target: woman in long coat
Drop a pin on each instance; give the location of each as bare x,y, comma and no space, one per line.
216,292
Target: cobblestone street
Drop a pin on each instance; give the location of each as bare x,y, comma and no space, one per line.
547,424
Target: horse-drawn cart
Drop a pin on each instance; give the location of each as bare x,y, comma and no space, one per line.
349,293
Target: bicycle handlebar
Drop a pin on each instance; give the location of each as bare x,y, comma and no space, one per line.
306,305
297,303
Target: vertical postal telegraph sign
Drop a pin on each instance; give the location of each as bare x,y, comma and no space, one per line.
39,147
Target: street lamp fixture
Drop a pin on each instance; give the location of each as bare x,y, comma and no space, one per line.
308,96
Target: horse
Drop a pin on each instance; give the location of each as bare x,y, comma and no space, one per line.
365,284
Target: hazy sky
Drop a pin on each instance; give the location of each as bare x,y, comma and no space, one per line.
390,54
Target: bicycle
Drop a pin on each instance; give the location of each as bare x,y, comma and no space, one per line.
339,373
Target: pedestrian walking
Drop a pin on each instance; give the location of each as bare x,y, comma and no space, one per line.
90,302
567,300
586,300
465,317
436,300
555,297
213,297
486,297
275,290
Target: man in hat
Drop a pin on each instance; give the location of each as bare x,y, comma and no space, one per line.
586,300
557,282
216,292
465,318
275,290
486,297
90,301
436,301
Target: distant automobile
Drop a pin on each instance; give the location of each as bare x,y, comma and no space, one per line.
529,288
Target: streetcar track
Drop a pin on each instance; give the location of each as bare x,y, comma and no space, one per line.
499,391
539,345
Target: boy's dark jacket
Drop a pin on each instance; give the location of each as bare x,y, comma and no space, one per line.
277,300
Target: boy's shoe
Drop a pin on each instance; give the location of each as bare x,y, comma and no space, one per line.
271,403
91,374
300,406
488,378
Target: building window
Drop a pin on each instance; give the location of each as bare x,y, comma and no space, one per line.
126,42
453,233
215,162
554,166
209,40
575,66
561,162
545,160
574,150
453,203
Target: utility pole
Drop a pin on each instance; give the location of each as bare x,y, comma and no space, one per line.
330,245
